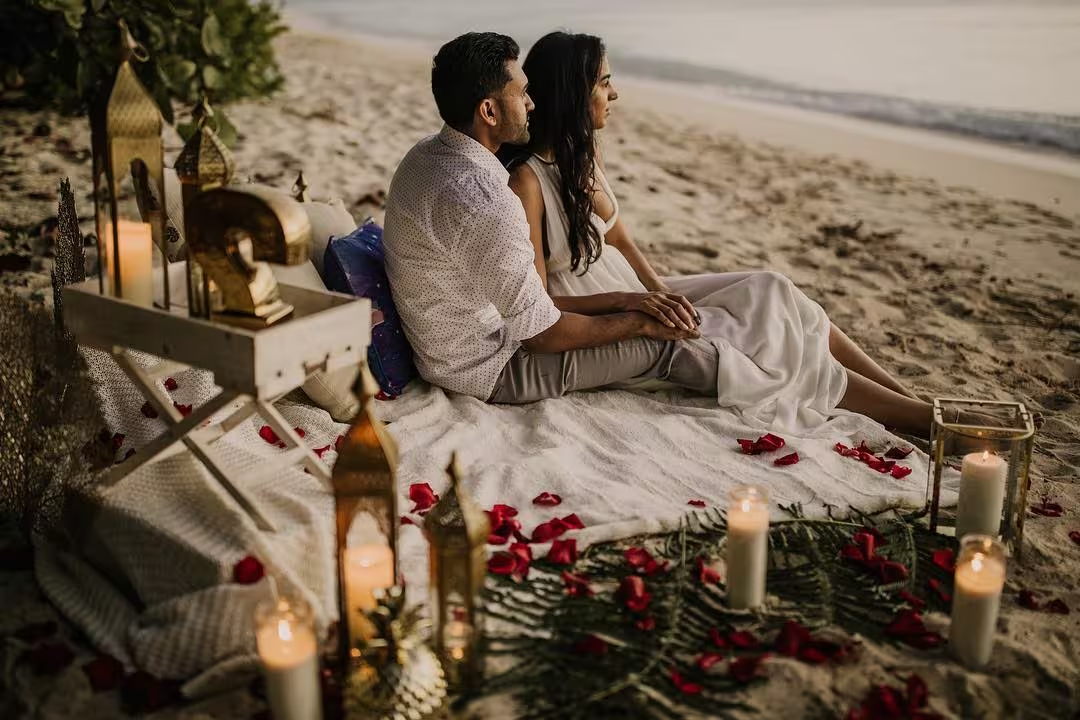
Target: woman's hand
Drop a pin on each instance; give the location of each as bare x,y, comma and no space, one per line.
670,308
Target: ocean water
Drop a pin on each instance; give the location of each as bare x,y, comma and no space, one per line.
1004,70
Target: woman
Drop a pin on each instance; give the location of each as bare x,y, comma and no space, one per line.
785,365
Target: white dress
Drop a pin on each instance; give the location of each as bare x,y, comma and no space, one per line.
775,366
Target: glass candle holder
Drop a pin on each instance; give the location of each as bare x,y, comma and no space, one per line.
288,653
978,582
990,444
747,547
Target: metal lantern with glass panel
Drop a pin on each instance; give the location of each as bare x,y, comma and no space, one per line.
127,150
457,532
203,164
990,444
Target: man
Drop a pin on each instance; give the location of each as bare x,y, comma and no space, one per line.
460,261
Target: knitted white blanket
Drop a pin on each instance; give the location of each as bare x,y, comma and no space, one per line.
152,580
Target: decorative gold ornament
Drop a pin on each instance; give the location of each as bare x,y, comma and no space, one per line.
125,134
457,531
990,443
232,233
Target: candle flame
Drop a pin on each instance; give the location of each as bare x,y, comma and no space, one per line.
977,562
986,455
284,630
746,506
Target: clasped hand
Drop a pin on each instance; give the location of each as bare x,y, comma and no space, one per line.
671,309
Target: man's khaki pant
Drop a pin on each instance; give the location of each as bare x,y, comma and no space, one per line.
529,376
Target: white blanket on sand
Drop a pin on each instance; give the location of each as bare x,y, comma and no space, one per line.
152,581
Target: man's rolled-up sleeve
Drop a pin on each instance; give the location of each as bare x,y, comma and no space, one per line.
501,255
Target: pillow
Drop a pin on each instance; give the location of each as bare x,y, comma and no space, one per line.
354,265
328,219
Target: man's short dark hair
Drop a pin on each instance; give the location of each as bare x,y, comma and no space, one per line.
468,69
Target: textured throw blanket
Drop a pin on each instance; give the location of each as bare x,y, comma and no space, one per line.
152,579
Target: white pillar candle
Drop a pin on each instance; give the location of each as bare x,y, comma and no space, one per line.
747,548
288,653
136,261
456,638
367,568
982,494
979,579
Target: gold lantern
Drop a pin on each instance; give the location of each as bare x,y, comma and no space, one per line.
300,189
126,144
365,506
457,532
990,444
203,164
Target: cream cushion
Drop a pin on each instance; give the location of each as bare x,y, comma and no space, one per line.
328,219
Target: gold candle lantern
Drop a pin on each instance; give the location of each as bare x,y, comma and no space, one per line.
203,164
457,532
365,500
127,151
300,189
990,443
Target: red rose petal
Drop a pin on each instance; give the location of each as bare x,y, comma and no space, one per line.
576,585
791,638
549,531
1026,599
906,622
572,522
746,668
563,552
522,554
945,558
104,672
743,640
171,384
812,656
697,503
1074,535
117,441
771,442
890,571
896,453
787,459
248,571
321,451
707,660
300,432
590,645
706,573
917,693
1048,509
632,593
925,641
547,499
504,511
1057,607
148,410
423,497
268,435
748,447
913,601
646,624
49,658
718,638
406,520
637,556
142,693
939,589
184,410
685,686
502,563
900,472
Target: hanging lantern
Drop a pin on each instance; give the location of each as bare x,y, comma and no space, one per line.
125,130
365,499
203,164
990,443
300,189
457,531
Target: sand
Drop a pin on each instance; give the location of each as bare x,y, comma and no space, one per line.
952,262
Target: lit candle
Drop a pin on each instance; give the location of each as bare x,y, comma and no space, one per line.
367,568
456,639
136,261
979,578
982,493
287,648
747,547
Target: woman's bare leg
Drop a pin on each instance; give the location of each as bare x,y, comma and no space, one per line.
852,357
888,407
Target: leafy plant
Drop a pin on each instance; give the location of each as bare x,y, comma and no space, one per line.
63,53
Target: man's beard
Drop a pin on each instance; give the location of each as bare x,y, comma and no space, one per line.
518,135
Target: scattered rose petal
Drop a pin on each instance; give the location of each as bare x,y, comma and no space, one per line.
890,571
184,410
563,552
646,624
697,503
1074,535
142,693
547,499
503,525
319,452
747,668
1057,607
787,459
117,441
706,573
576,585
913,601
300,432
1026,599
643,561
899,472
765,443
791,638
908,626
590,645
939,589
148,410
104,672
34,632
269,436
632,593
572,522
896,453
707,660
1048,509
917,693
49,658
502,563
550,530
522,553
171,384
744,640
718,638
248,571
685,686
406,520
423,497
945,558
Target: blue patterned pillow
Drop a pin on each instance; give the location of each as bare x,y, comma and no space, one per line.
353,264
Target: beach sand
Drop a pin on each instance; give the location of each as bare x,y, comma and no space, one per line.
955,264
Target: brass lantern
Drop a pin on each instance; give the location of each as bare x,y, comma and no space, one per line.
126,144
457,532
203,164
365,506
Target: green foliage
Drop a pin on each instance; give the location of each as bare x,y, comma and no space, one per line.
534,626
62,53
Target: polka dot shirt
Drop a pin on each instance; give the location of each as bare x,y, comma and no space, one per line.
460,263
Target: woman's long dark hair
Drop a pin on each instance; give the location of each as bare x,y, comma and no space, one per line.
562,69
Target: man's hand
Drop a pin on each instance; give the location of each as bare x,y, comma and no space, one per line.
671,309
653,328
